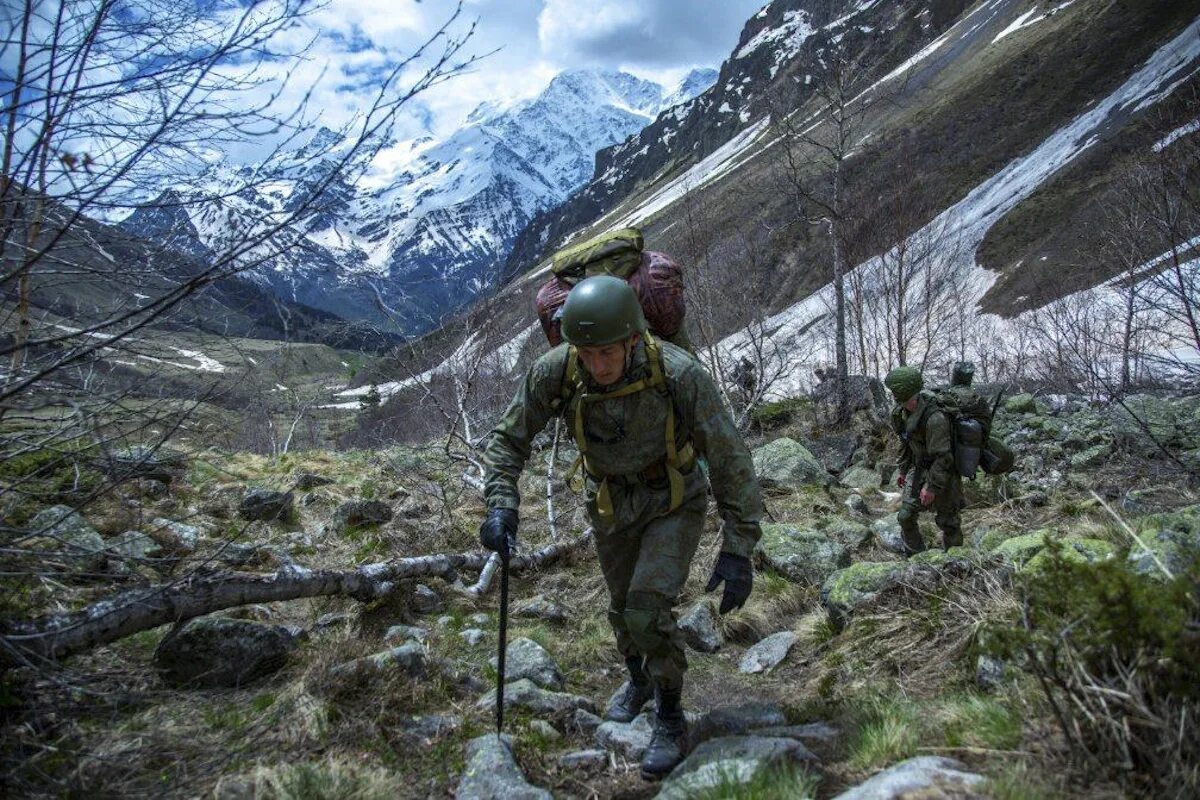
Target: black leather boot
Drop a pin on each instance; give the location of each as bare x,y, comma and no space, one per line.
628,702
667,745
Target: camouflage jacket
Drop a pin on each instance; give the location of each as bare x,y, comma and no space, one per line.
626,435
926,442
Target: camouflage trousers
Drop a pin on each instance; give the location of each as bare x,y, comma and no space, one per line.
645,555
947,507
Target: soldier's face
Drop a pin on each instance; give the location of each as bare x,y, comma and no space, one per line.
910,405
606,363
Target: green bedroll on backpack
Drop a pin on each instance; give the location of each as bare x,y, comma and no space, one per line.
616,253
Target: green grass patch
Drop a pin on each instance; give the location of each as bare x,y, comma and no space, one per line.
328,780
889,732
774,415
785,781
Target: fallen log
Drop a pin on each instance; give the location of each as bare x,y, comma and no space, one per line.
26,643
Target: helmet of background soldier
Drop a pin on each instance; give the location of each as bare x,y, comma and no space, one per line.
904,382
601,310
963,374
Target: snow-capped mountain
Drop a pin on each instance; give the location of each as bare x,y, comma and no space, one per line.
425,229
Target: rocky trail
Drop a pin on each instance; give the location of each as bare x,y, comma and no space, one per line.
851,673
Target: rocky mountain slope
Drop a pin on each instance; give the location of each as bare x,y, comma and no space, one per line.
421,238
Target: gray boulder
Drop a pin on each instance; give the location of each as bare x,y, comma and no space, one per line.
425,600
409,657
584,760
847,589
737,720
834,450
176,538
265,504
402,633
629,739
525,658
492,773
216,652
925,776
78,543
731,759
887,534
801,556
860,478
787,464
847,533
134,545
768,653
154,463
472,636
307,480
526,694
583,721
700,628
354,513
541,607
858,505
428,728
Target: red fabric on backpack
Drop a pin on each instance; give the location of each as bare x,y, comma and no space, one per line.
658,283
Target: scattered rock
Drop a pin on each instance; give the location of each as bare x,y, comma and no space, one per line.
849,588
629,739
307,480
888,535
737,720
525,658
858,505
700,628
801,556
492,773
583,721
400,633
78,543
584,760
238,554
333,619
216,652
426,729
925,776
425,600
472,636
811,732
444,621
1073,548
410,657
298,540
860,478
541,607
1019,549
1174,547
768,653
154,463
735,759
847,533
354,513
835,451
526,694
1147,421
545,730
265,504
1021,404
134,545
989,673
480,618
1091,457
175,538
787,464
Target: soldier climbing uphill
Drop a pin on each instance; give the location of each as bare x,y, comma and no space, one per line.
642,412
929,477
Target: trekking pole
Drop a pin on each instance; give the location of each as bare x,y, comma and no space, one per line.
503,640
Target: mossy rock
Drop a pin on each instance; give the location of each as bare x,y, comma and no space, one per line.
1020,549
1172,539
860,478
939,558
1021,404
785,463
1091,457
849,588
801,556
847,532
1074,548
988,539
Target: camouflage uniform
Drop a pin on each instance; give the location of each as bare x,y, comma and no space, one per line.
644,552
927,459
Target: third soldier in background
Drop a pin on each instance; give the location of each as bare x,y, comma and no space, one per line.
928,475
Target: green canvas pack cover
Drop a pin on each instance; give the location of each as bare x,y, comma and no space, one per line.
616,253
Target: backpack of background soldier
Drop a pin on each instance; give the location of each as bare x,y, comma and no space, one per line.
975,448
656,278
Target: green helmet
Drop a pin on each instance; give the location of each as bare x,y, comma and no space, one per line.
904,382
601,310
963,374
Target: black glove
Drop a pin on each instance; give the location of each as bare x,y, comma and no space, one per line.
499,531
739,580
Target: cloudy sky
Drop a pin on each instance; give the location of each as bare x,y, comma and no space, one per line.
529,41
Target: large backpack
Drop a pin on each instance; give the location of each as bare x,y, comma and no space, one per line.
970,417
656,279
